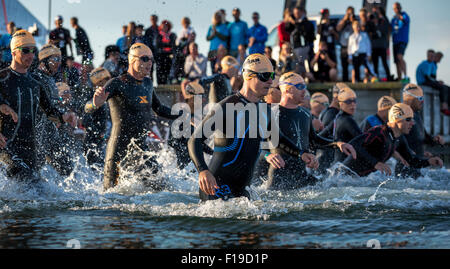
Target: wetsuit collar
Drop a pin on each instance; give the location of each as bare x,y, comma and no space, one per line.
131,78
243,99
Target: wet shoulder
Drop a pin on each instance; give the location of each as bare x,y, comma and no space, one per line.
5,74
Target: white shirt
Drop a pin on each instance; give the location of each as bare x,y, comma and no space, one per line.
184,33
195,68
359,44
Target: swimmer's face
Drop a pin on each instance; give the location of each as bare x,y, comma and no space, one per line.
23,56
259,87
143,64
405,125
348,106
54,62
384,114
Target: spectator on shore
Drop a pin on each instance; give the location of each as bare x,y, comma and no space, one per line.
166,48
195,64
121,41
242,55
283,35
185,37
151,36
139,32
82,43
286,61
221,53
302,38
359,51
345,30
238,33
60,37
326,66
130,37
218,34
328,33
380,44
426,75
111,63
257,36
268,53
400,37
5,41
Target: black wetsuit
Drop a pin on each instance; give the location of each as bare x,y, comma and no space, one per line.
130,103
53,143
296,124
24,95
326,156
219,89
95,124
417,138
234,159
343,129
378,145
371,121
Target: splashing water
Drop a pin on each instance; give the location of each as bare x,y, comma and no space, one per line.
339,212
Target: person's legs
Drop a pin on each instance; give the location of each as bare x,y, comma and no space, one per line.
376,54
344,64
356,66
383,54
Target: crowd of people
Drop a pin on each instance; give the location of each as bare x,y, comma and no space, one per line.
52,109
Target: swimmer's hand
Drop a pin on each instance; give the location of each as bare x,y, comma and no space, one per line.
310,160
436,161
207,182
384,168
318,125
399,158
2,141
71,118
275,160
5,109
439,139
100,97
347,149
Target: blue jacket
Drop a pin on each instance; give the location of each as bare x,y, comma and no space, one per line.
423,71
5,41
400,29
259,32
238,34
216,41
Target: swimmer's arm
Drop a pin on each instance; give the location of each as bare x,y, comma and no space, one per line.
328,130
195,144
161,109
319,141
409,156
359,145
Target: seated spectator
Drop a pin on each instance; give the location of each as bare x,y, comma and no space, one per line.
326,66
185,36
218,34
195,64
426,75
257,36
121,41
268,53
359,51
286,60
238,33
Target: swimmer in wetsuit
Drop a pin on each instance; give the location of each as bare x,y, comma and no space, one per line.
381,117
131,98
319,102
378,144
418,137
52,141
231,168
95,122
326,156
344,127
20,98
295,123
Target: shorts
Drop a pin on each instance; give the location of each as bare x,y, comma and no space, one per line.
399,48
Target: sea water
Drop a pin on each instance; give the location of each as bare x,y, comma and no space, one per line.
338,212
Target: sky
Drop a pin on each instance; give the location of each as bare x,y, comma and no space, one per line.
103,19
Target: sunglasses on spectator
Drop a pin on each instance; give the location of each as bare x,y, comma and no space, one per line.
27,50
264,77
420,98
299,86
349,101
